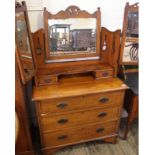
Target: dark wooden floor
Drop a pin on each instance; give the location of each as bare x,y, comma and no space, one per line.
123,147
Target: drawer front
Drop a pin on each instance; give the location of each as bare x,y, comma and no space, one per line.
103,100
103,74
80,134
45,80
51,123
60,105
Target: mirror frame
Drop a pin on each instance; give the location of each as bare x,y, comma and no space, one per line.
128,9
25,77
72,12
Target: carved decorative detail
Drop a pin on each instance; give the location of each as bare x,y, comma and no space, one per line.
20,6
73,10
136,5
133,7
104,46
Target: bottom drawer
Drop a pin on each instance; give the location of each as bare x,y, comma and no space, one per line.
79,134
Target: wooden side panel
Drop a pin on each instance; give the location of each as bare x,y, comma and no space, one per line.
110,46
24,141
38,40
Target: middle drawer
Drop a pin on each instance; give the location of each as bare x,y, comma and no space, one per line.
57,122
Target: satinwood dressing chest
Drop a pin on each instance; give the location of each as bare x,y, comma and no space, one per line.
77,94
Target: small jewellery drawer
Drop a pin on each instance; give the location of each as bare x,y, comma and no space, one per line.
103,74
57,122
78,103
60,105
82,133
45,80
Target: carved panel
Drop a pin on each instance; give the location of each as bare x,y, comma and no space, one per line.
72,12
20,6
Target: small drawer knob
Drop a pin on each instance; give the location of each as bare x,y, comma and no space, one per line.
98,130
62,121
62,105
102,114
62,137
104,100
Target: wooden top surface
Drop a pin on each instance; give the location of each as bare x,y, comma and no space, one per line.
77,87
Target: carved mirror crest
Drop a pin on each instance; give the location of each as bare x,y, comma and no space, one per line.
24,45
72,35
129,48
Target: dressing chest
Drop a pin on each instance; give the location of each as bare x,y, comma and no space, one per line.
78,96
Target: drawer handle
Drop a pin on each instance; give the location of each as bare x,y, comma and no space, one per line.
47,80
105,74
99,130
104,100
62,137
62,121
102,114
62,105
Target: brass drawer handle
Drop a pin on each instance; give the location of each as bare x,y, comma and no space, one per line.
47,80
104,100
62,105
62,137
62,121
102,114
105,74
99,130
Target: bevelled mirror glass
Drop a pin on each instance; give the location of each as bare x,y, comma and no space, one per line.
72,36
131,42
132,24
129,52
24,44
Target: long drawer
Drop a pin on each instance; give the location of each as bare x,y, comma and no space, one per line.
57,122
102,100
79,134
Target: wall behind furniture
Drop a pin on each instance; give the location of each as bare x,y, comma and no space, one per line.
112,11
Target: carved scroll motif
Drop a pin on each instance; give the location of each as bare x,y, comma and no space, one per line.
73,10
136,5
20,5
